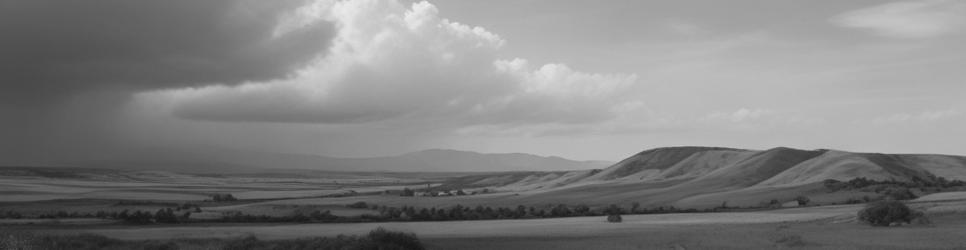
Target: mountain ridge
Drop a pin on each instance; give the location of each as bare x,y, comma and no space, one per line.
213,159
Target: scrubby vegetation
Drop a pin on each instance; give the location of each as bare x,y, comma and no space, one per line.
378,238
886,213
360,204
223,197
614,218
182,214
935,183
175,214
894,190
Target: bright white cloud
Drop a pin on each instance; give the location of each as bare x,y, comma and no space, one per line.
909,19
390,61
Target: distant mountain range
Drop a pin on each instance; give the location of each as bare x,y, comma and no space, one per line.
708,176
216,160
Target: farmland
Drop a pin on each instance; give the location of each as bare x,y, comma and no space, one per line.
821,225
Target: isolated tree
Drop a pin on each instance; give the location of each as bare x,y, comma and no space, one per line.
802,200
614,218
613,213
884,213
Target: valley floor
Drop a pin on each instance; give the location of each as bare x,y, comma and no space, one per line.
826,227
823,227
807,235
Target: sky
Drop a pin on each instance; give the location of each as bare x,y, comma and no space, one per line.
585,80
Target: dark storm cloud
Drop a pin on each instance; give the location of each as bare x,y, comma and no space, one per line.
53,49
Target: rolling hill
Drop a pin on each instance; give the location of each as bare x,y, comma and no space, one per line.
708,176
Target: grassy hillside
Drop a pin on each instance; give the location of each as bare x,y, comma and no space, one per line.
708,176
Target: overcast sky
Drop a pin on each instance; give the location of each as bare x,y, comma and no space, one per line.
579,79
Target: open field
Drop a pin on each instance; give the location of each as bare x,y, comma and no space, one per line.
573,226
819,225
829,227
810,235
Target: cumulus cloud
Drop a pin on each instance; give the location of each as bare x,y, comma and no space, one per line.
395,61
909,19
54,49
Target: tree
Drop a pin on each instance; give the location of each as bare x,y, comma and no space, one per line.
884,213
614,218
359,204
802,200
613,213
386,239
613,209
774,203
165,215
408,192
223,197
900,193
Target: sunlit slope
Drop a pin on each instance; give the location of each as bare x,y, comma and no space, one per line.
701,176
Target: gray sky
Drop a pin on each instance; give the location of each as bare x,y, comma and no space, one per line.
578,79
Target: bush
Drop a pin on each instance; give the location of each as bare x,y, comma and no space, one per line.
900,193
884,213
360,204
614,218
223,197
386,239
17,240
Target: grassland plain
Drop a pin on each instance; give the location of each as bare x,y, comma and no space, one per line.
812,227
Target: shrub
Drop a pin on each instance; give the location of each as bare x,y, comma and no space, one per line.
386,239
223,197
249,242
884,213
360,204
802,200
899,193
614,218
17,240
81,241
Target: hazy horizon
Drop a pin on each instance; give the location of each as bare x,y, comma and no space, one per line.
93,80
